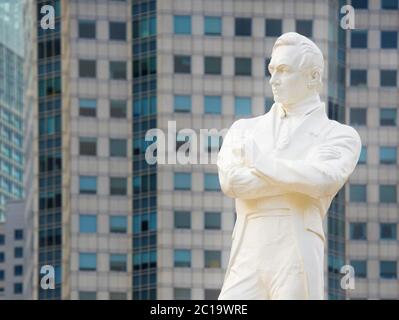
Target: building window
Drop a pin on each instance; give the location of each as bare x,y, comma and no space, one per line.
358,77
117,70
389,39
358,230
360,4
117,296
274,27
182,180
305,27
87,223
389,4
18,234
211,294
118,224
182,293
388,269
182,24
87,185
87,295
118,186
214,142
243,66
182,219
18,270
182,258
182,103
360,267
267,72
117,31
118,262
387,193
2,239
388,78
18,252
213,220
388,155
87,146
118,147
358,116
358,193
242,106
118,108
2,275
211,182
213,26
359,39
388,231
212,259
243,27
87,261
87,29
388,117
87,68
213,104
182,64
88,107
213,65
18,288
363,155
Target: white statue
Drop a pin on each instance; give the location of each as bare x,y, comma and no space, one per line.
284,168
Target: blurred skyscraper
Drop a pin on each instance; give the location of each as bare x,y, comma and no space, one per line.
11,134
372,102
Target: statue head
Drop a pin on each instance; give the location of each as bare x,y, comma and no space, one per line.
296,68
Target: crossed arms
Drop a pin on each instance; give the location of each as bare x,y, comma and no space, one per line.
246,172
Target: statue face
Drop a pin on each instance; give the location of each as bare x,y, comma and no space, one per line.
289,83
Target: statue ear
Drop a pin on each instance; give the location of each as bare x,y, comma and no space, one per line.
314,78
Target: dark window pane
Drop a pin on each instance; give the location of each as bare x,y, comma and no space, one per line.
358,77
118,108
274,27
359,39
182,64
388,194
358,231
87,68
358,116
389,4
117,31
360,4
87,29
213,220
389,39
388,117
388,231
182,219
88,146
388,78
360,267
305,27
243,66
117,70
213,65
213,26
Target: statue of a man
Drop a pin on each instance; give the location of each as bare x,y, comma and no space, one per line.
284,168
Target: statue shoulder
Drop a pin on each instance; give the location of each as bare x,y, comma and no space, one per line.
340,130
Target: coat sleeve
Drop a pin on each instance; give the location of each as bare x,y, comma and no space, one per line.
323,172
237,179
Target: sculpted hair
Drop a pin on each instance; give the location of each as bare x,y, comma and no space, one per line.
312,57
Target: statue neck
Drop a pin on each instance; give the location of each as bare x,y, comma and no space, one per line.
303,107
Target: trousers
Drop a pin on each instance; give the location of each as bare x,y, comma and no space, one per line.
269,265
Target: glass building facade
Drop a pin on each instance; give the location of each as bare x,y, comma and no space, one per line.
49,146
11,104
144,175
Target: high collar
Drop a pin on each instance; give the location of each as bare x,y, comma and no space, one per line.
301,108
